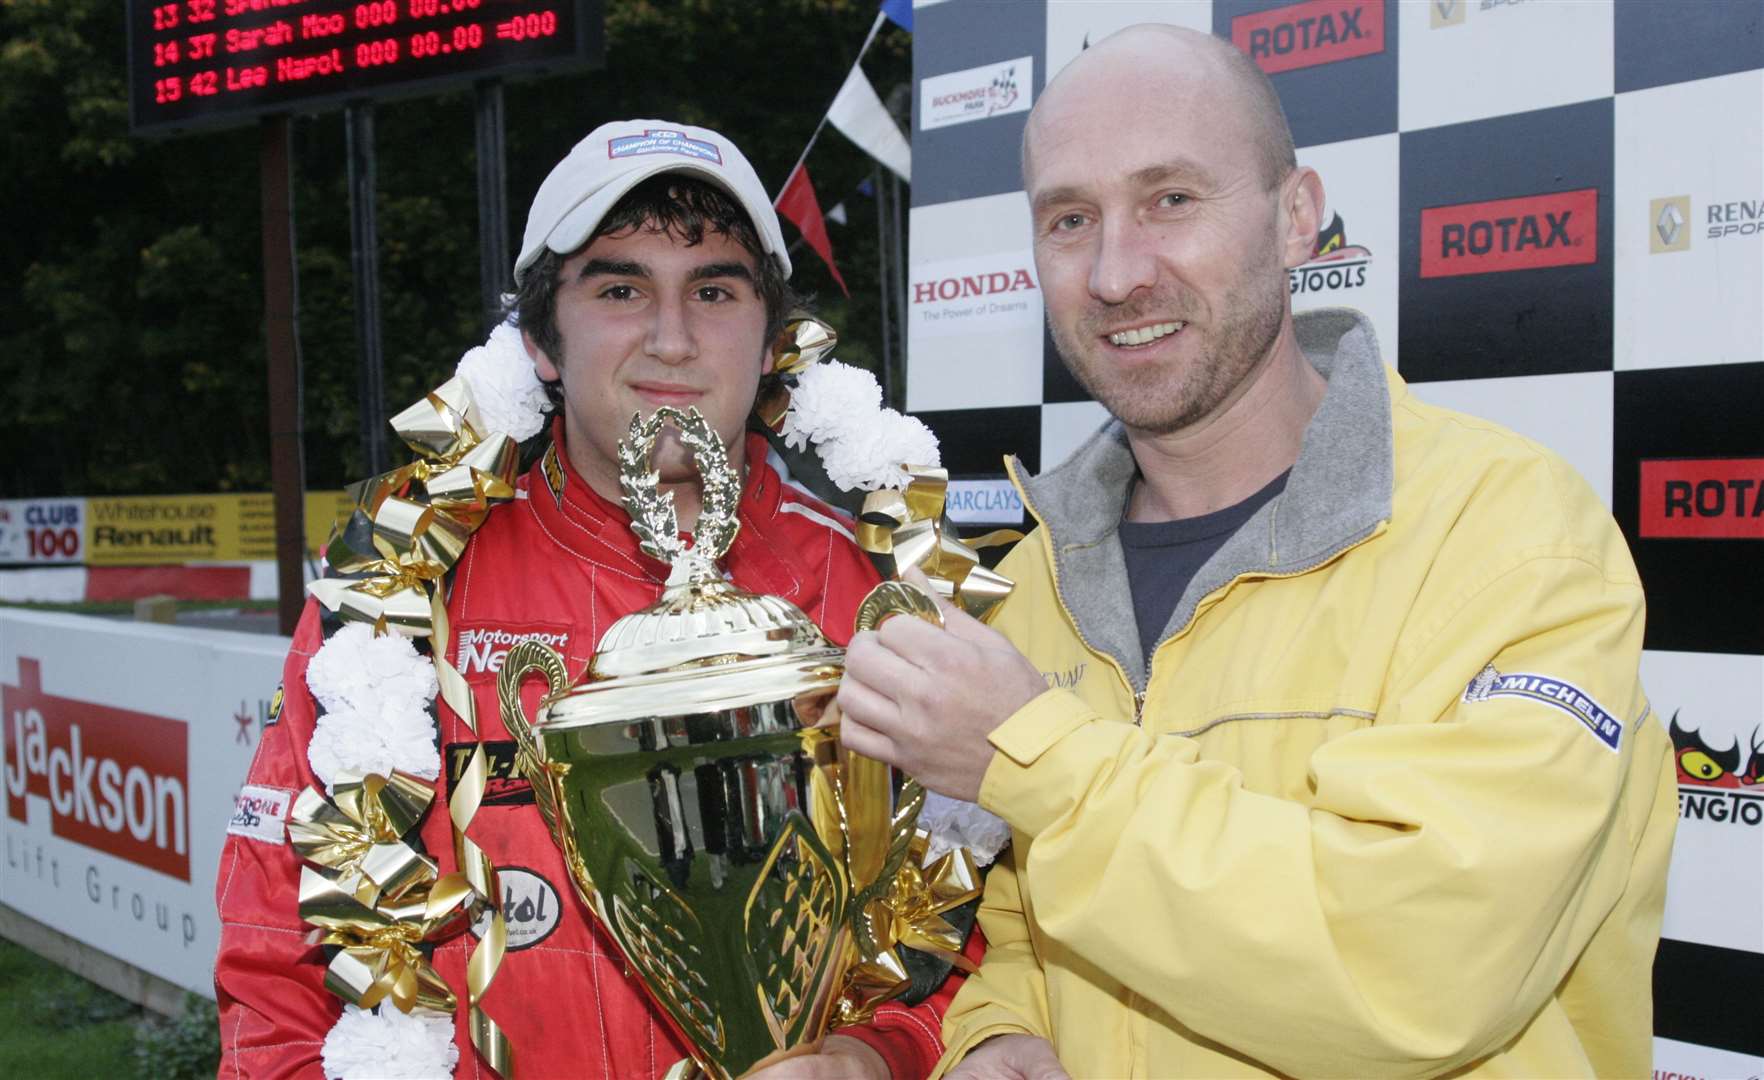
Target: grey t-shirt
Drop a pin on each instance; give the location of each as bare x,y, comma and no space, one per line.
1162,557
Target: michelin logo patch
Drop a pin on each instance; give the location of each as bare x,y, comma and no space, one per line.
663,142
1571,699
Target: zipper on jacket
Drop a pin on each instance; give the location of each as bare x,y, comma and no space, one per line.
1053,570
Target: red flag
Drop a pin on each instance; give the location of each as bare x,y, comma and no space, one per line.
798,203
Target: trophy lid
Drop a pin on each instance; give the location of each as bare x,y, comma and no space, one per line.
699,626
706,644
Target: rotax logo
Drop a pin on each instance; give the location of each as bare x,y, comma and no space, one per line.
1311,33
1531,232
114,780
1702,499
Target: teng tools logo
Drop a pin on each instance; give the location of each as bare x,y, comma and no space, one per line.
1707,499
114,780
1720,769
1315,32
1527,233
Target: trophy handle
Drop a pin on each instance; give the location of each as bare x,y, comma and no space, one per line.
524,658
875,867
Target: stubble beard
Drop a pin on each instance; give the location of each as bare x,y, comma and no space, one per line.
1161,399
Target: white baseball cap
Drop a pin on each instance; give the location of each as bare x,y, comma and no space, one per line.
618,156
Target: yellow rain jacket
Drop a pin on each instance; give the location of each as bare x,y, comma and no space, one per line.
1390,800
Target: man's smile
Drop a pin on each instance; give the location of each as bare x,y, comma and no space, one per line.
1144,334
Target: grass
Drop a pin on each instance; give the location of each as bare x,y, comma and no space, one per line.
58,1025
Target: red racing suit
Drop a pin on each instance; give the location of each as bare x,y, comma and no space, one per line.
559,562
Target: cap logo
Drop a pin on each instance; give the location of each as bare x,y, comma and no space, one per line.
663,142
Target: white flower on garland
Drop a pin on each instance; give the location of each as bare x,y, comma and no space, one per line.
839,409
862,446
504,384
390,1045
376,693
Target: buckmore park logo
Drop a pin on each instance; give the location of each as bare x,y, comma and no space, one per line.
114,780
976,93
1672,222
1334,264
1720,768
1312,33
1526,233
1702,499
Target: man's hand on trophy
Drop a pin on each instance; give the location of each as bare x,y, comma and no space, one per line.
924,698
841,1058
1010,1057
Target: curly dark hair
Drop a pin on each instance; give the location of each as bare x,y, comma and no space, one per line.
681,206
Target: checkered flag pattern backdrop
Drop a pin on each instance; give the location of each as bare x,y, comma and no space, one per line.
1553,213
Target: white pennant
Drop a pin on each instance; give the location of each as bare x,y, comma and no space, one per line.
859,113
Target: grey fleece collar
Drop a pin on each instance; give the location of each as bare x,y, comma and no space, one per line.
1338,493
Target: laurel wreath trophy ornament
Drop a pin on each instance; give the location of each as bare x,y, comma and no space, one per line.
695,783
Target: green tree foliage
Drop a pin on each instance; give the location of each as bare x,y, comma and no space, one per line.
131,296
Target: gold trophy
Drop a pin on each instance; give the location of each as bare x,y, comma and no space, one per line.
696,786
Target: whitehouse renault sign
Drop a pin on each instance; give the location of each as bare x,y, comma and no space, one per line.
122,747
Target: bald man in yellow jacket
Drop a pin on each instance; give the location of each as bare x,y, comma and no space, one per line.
1315,713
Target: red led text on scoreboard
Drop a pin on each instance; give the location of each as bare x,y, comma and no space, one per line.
201,61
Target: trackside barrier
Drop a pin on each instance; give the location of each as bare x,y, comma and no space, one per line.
122,746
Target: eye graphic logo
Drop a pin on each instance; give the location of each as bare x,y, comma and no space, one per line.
1720,770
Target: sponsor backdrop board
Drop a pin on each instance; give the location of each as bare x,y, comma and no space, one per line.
1554,215
123,746
157,530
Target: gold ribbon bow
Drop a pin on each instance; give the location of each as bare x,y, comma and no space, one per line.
378,955
908,527
804,342
411,525
910,914
359,834
376,897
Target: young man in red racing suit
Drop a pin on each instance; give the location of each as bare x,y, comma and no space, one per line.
662,294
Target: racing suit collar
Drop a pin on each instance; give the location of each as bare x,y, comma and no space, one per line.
1338,495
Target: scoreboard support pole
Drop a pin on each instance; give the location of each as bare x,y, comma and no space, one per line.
364,257
493,265
282,347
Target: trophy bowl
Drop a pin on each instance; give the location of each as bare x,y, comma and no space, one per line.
694,781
